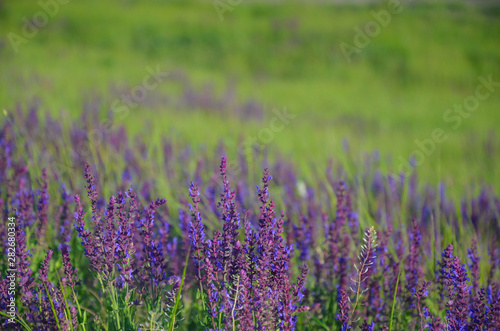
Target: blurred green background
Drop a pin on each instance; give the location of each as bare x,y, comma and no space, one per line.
259,57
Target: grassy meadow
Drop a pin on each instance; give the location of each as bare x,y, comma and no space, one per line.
108,105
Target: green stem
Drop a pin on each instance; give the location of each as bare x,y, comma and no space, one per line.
67,312
19,319
52,307
177,299
394,298
235,300
84,320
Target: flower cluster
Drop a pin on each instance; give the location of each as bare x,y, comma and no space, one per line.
245,284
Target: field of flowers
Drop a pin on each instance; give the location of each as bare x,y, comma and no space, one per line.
225,252
225,165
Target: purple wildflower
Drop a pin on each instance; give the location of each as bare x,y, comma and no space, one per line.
420,293
413,264
456,282
90,249
479,318
230,217
196,230
124,242
474,266
43,206
344,311
368,327
64,216
152,268
70,273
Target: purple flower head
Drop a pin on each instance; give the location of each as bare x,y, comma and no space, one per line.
368,327
70,273
455,282
230,217
43,206
474,258
413,264
43,273
152,260
196,227
64,218
86,238
343,312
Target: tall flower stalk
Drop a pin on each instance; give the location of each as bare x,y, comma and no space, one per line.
366,258
245,285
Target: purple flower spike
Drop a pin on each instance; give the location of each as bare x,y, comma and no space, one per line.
474,266
70,272
90,248
43,206
413,264
344,309
196,227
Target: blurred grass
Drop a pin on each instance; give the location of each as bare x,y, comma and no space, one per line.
284,55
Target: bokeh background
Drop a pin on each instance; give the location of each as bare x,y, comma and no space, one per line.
229,66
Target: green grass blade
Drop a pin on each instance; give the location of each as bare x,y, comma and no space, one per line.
52,307
177,299
23,322
394,298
